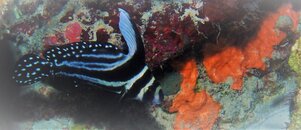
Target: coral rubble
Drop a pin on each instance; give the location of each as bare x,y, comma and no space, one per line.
195,110
234,62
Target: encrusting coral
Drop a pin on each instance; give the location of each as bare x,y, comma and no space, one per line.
234,62
195,110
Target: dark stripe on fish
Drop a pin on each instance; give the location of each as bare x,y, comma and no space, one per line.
143,81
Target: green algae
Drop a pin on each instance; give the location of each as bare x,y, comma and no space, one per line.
295,64
294,59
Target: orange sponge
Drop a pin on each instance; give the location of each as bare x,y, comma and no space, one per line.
233,62
195,110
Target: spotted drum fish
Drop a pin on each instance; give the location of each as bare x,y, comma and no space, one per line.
122,71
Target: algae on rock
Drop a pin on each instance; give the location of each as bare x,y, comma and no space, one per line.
294,60
295,64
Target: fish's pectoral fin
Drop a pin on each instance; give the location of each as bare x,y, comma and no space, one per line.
123,94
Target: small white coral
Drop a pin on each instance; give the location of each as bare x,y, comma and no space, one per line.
193,14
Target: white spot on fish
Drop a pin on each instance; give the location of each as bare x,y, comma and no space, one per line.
59,52
23,69
33,73
29,65
94,50
30,58
19,75
38,69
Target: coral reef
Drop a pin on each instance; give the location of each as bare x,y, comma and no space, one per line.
165,26
260,103
234,62
195,110
243,44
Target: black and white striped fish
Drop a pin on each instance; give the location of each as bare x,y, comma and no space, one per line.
122,71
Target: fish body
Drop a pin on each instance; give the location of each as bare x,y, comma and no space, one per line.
122,71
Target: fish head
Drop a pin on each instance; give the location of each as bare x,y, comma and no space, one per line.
30,69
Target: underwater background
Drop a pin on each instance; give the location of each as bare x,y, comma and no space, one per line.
222,64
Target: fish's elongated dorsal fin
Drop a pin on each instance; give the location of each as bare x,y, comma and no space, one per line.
30,69
131,35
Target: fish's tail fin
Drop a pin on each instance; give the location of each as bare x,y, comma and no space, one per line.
30,69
